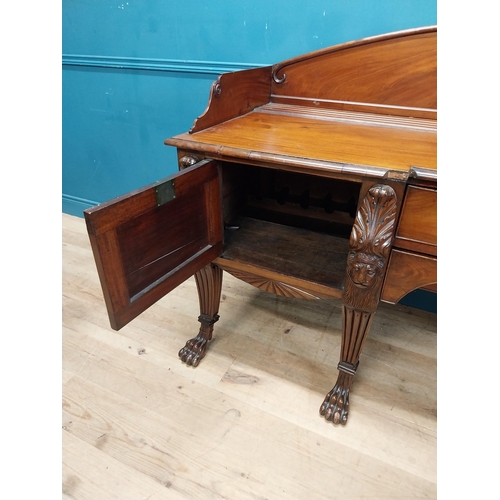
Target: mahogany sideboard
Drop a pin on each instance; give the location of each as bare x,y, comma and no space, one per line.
312,178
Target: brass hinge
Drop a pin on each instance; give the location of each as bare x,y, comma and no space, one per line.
165,192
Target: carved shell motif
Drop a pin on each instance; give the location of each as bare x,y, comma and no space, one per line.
272,286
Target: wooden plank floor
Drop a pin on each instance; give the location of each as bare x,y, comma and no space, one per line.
139,424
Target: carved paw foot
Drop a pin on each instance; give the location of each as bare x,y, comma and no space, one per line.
335,407
194,350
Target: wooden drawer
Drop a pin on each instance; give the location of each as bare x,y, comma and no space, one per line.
407,272
417,229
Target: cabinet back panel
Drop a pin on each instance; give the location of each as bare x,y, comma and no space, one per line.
318,204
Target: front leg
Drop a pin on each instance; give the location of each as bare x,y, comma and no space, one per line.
369,248
355,326
209,285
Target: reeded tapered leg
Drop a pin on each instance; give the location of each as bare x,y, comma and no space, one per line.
369,248
209,285
355,325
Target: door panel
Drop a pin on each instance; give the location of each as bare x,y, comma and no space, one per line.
147,242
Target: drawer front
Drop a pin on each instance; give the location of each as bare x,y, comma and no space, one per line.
407,272
417,229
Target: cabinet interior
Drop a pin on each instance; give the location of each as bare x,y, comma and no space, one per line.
297,224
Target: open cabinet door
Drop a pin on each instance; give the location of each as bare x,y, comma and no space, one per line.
149,241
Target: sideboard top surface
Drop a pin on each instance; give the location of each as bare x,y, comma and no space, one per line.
366,106
333,136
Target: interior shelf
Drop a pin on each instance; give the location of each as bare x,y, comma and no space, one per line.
301,253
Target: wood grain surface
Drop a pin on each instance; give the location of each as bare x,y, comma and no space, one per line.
139,424
303,136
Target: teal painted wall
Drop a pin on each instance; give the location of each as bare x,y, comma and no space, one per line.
136,72
139,71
